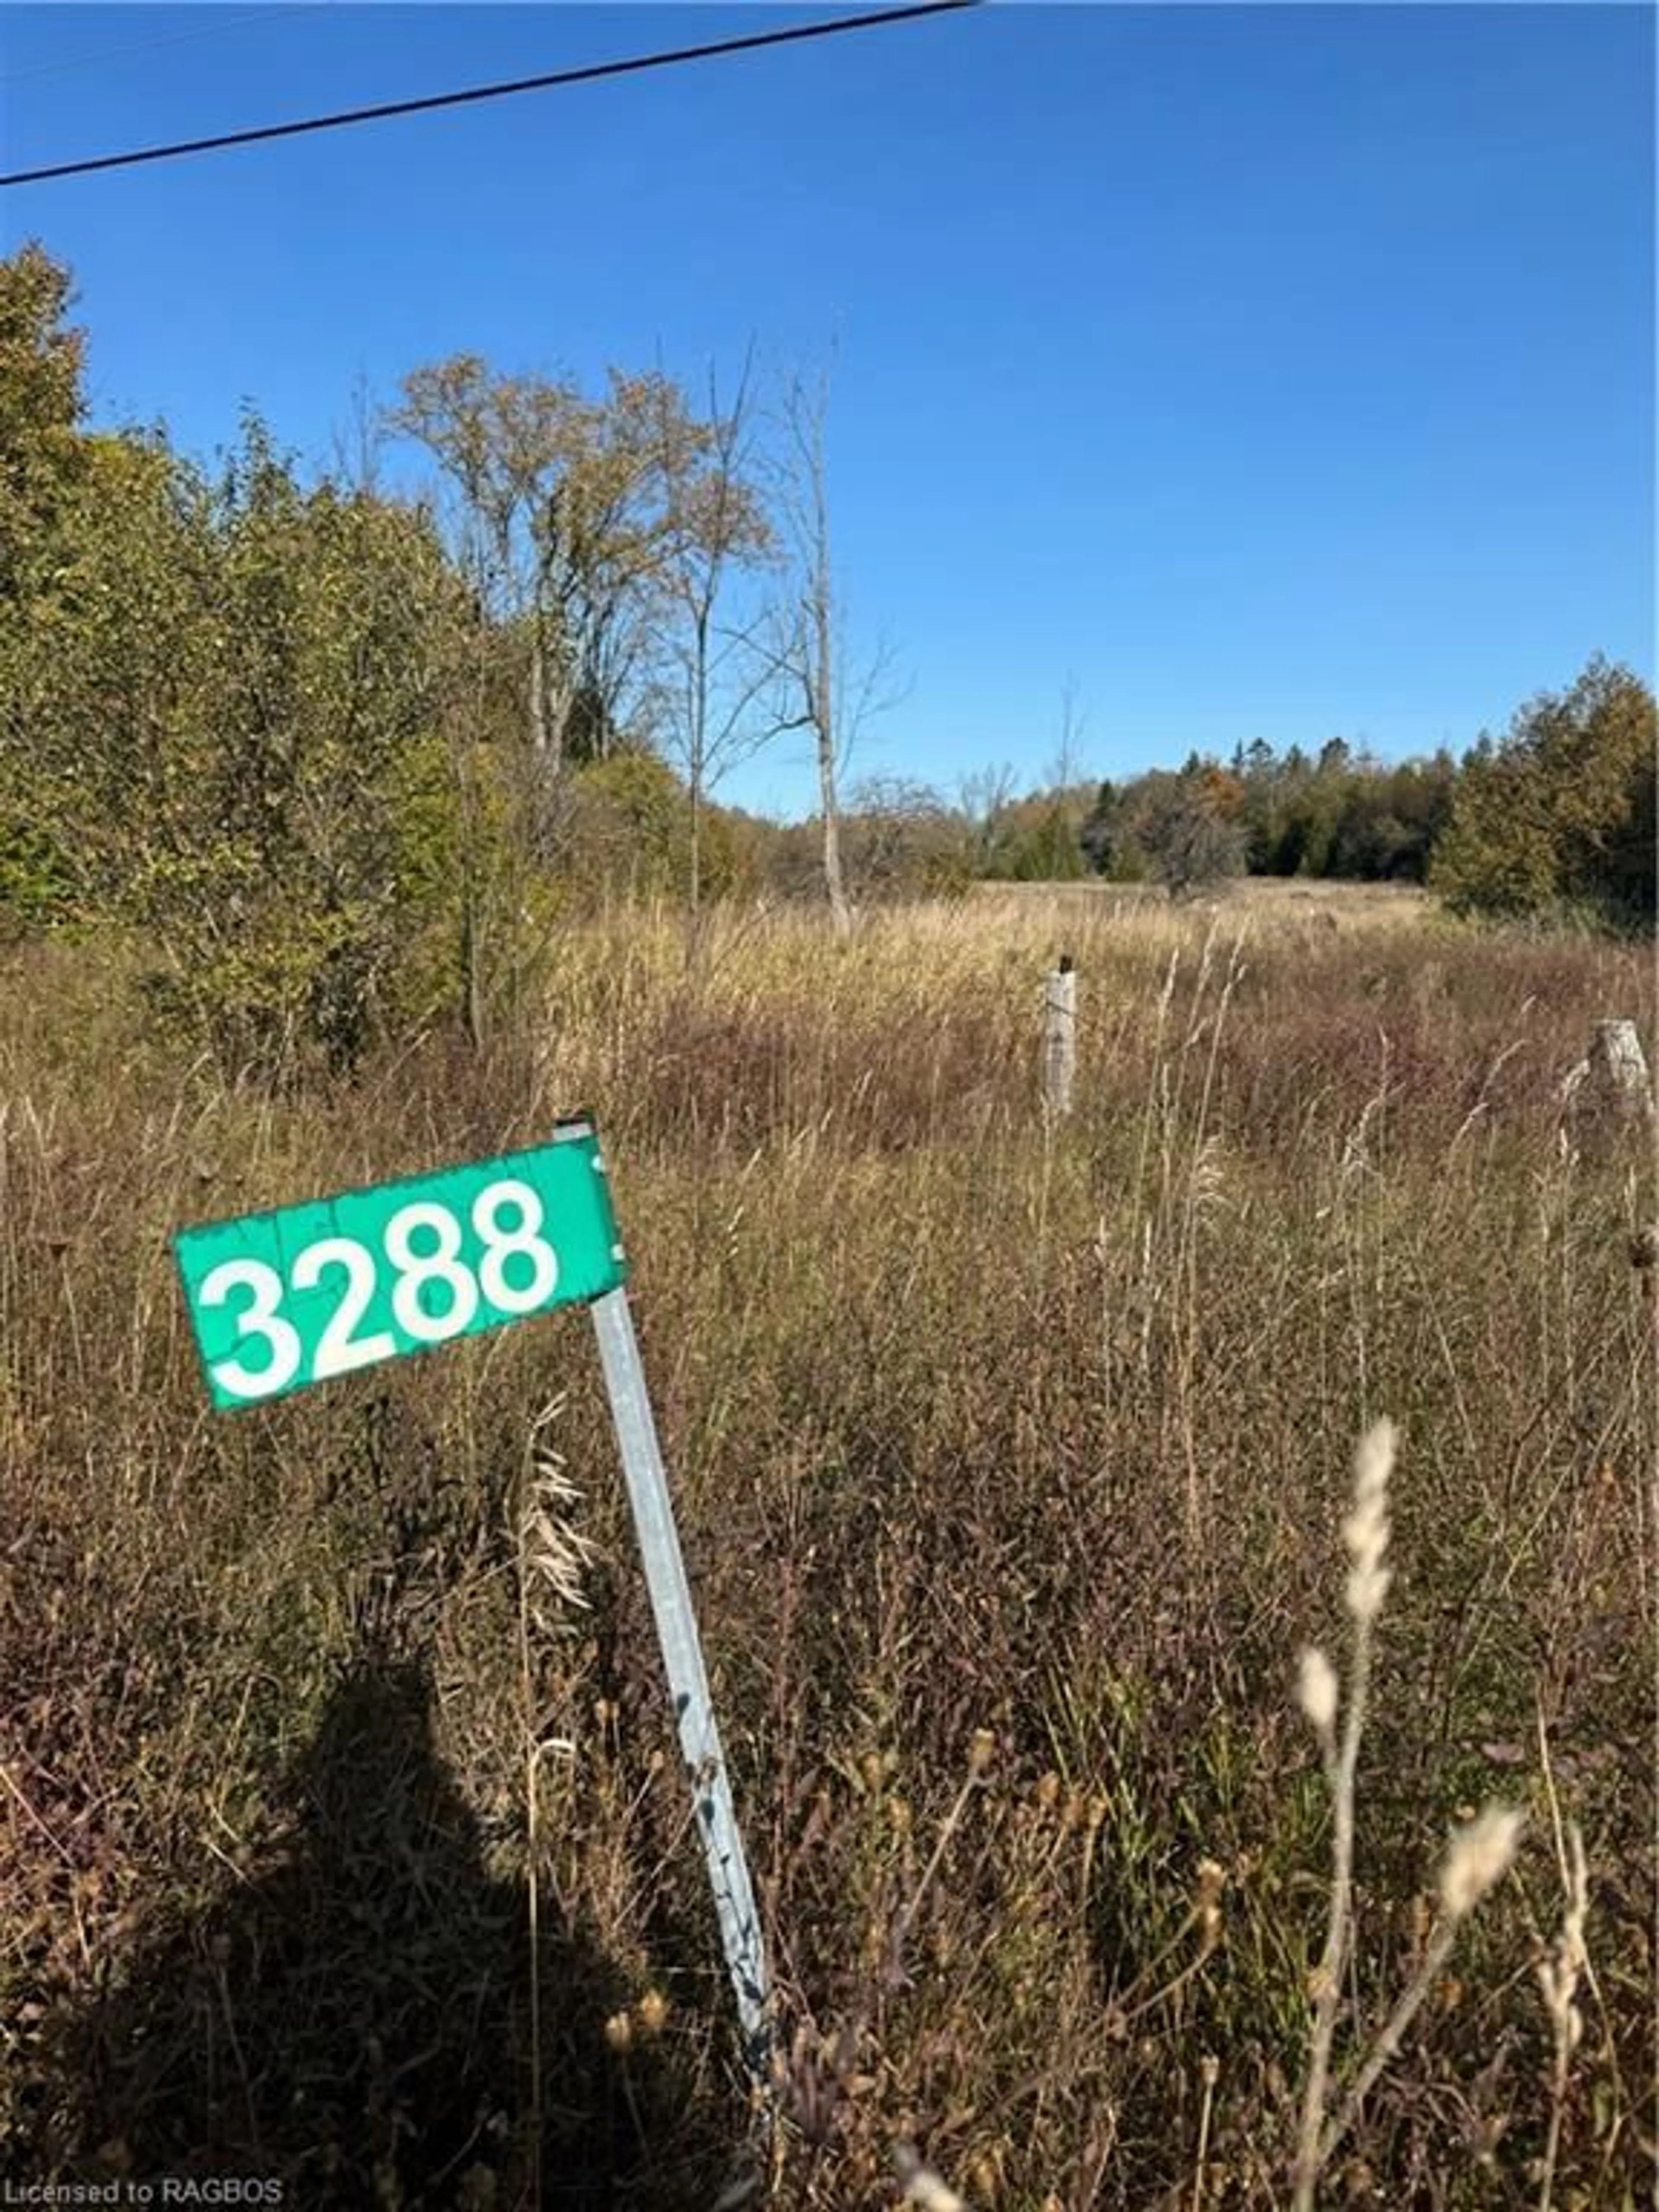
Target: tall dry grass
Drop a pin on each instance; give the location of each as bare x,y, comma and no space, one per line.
1009,1463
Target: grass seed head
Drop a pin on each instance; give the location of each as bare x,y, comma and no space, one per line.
1477,1858
1559,1970
1365,1531
557,1553
923,2185
1315,1691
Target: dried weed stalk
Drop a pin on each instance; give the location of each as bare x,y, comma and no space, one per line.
1478,1856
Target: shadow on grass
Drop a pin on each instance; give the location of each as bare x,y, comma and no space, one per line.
355,2025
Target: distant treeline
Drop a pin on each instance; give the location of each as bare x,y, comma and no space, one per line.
339,759
1342,814
1555,820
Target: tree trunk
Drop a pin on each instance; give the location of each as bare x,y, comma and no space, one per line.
823,720
695,885
841,911
472,970
540,729
548,716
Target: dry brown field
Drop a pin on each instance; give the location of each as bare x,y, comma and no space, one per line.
343,1843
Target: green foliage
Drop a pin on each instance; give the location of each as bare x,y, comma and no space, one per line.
1561,813
628,834
1629,857
1390,819
311,842
221,723
37,878
1036,839
103,670
40,403
1108,839
1345,815
1045,848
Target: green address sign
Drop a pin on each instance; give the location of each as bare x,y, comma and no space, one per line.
281,1300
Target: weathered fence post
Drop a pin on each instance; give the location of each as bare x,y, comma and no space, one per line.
1058,1036
1619,1070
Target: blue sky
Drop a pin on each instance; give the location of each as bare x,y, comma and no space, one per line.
1263,371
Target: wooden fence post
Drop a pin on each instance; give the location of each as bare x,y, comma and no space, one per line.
1619,1070
1058,1036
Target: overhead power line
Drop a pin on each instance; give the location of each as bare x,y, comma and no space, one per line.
213,30
586,74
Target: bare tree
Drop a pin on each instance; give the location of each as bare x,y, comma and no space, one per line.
354,445
812,652
1073,797
1068,766
815,657
717,668
903,839
984,797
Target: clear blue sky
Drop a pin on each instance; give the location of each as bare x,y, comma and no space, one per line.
1267,371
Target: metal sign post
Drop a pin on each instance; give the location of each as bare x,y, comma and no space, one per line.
282,1300
688,1682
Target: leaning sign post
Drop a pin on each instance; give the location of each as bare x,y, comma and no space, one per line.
279,1301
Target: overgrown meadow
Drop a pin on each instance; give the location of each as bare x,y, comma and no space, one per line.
344,1843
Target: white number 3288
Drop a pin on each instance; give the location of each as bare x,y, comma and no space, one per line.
435,1293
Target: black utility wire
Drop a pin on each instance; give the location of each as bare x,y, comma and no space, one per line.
585,75
213,30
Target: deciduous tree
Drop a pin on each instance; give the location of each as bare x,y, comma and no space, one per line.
41,403
563,524
1561,812
716,657
822,694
